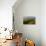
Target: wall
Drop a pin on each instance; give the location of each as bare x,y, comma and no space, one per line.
28,8
43,20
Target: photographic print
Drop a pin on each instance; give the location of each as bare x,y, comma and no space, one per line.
29,20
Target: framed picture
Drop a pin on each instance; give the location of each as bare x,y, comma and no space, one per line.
29,20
